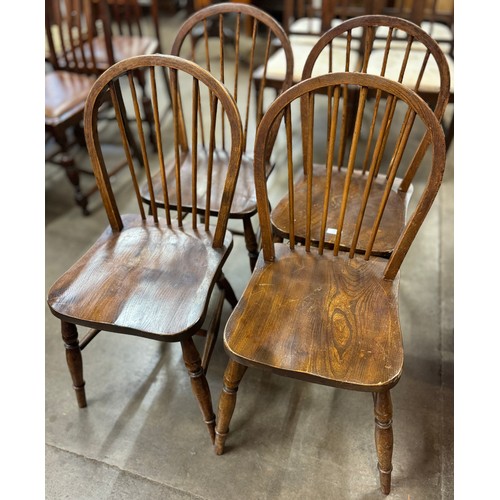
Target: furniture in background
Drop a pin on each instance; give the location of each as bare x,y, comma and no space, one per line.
304,31
83,39
233,59
147,275
435,17
330,316
65,95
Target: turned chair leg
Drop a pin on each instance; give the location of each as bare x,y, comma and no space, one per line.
384,438
232,378
199,384
74,360
250,242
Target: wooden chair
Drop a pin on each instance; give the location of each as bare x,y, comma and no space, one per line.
415,60
89,36
233,59
152,276
324,315
65,95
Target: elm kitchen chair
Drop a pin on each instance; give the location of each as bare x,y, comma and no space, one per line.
245,39
147,275
415,60
322,315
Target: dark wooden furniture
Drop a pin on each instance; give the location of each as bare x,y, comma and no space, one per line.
152,276
394,48
232,59
83,39
65,95
324,315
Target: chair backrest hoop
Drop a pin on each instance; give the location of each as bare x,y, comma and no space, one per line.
101,86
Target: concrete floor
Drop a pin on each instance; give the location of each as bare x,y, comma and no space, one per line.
141,436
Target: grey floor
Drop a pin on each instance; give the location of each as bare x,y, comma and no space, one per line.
141,436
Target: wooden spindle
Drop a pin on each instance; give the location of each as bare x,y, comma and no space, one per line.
309,169
159,143
371,132
120,116
249,92
194,152
260,98
332,137
211,152
142,141
350,168
175,107
237,56
291,184
222,75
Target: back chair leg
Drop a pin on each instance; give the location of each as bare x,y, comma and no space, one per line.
384,438
68,163
199,384
232,378
74,360
251,242
230,296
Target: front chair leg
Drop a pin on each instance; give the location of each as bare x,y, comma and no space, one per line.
384,438
232,378
74,360
199,384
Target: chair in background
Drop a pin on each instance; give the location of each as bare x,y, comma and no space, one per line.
89,36
412,58
233,59
152,276
435,17
322,315
65,95
306,21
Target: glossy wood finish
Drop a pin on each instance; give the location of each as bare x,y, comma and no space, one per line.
422,55
150,276
244,38
320,314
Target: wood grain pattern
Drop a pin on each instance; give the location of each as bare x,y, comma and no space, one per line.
142,281
329,320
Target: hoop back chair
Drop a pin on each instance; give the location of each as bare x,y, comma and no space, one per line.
232,59
147,275
417,61
323,315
